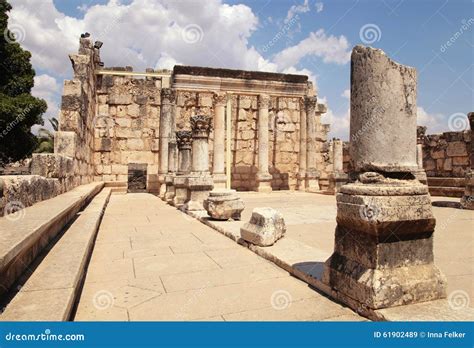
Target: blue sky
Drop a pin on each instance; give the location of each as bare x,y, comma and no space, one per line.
316,40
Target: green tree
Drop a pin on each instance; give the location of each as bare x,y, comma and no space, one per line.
19,110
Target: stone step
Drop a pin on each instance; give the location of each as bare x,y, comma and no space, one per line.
50,292
116,184
447,191
23,235
446,182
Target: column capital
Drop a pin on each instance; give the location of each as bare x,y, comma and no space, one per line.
184,139
263,101
220,98
168,95
310,103
201,126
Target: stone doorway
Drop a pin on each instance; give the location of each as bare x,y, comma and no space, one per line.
137,177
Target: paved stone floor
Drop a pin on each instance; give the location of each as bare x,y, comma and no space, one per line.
311,219
152,262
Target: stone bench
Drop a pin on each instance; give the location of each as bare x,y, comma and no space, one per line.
23,237
50,292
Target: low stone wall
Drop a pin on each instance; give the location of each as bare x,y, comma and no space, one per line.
446,154
20,191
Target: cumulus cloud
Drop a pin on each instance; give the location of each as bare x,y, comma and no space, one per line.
435,123
346,94
331,49
47,88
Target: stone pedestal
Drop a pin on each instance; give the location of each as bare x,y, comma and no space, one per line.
383,254
312,180
180,191
467,200
170,189
263,176
218,163
266,226
223,204
199,182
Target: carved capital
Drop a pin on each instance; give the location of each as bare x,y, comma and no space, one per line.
220,98
263,101
310,104
168,96
201,126
184,139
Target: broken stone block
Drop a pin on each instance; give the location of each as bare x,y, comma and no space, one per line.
223,204
266,226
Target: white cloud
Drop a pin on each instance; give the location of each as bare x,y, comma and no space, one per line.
295,9
319,7
435,123
331,49
47,88
346,94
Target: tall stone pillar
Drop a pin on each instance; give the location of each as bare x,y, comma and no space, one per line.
420,173
167,100
312,174
338,177
263,176
218,163
199,182
467,200
383,254
301,176
184,141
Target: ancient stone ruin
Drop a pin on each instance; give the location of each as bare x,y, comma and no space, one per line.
383,254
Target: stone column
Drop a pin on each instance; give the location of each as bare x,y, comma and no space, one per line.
383,254
339,178
312,174
467,200
172,168
263,176
199,182
167,101
301,177
420,173
184,142
218,163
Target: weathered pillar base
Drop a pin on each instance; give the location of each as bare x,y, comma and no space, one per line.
264,183
180,190
312,181
220,181
223,204
301,181
170,189
162,183
467,200
383,253
198,190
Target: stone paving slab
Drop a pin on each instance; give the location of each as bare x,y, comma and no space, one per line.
49,292
207,277
311,221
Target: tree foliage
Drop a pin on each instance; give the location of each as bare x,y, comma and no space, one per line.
19,110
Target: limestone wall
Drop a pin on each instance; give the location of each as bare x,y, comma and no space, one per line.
126,127
446,154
